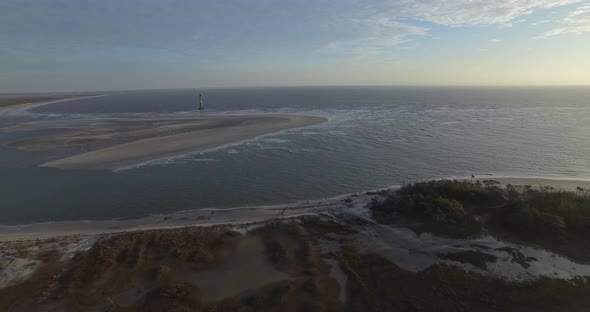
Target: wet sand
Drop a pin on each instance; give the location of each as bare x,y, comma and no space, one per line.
116,143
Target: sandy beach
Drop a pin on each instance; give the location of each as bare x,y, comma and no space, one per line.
240,216
115,143
561,184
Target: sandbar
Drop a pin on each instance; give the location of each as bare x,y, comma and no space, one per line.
116,143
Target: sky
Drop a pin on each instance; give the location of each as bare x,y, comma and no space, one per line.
80,45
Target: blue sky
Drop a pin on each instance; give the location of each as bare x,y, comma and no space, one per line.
64,45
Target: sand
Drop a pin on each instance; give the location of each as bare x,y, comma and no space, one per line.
562,184
241,218
116,143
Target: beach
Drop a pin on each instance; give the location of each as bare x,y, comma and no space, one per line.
240,216
132,141
328,253
559,184
243,216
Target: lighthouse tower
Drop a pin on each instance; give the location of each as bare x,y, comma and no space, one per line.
201,105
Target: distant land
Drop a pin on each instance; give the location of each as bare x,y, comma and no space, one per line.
7,100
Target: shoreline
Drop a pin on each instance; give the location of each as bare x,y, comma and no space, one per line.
29,105
207,217
244,216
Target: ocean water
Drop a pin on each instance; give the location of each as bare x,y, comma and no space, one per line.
375,137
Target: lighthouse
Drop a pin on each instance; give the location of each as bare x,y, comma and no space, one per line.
201,105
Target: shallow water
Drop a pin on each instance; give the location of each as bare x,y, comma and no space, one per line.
376,137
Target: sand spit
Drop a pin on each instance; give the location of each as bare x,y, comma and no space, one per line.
116,143
23,107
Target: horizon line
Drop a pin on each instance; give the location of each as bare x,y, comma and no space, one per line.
308,86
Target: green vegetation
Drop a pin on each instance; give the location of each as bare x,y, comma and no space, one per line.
543,216
439,201
545,213
438,208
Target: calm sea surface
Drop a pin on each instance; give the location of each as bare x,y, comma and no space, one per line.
376,137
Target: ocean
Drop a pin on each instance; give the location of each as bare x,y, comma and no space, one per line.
376,137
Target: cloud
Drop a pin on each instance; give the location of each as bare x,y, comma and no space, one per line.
385,23
583,9
577,22
495,40
469,12
378,35
220,28
545,21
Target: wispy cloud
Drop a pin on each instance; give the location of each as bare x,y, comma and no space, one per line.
378,34
495,40
199,26
385,23
472,12
577,22
545,21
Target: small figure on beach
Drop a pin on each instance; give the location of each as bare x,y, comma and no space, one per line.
201,104
283,212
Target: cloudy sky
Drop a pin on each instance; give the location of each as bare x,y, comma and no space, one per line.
65,45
